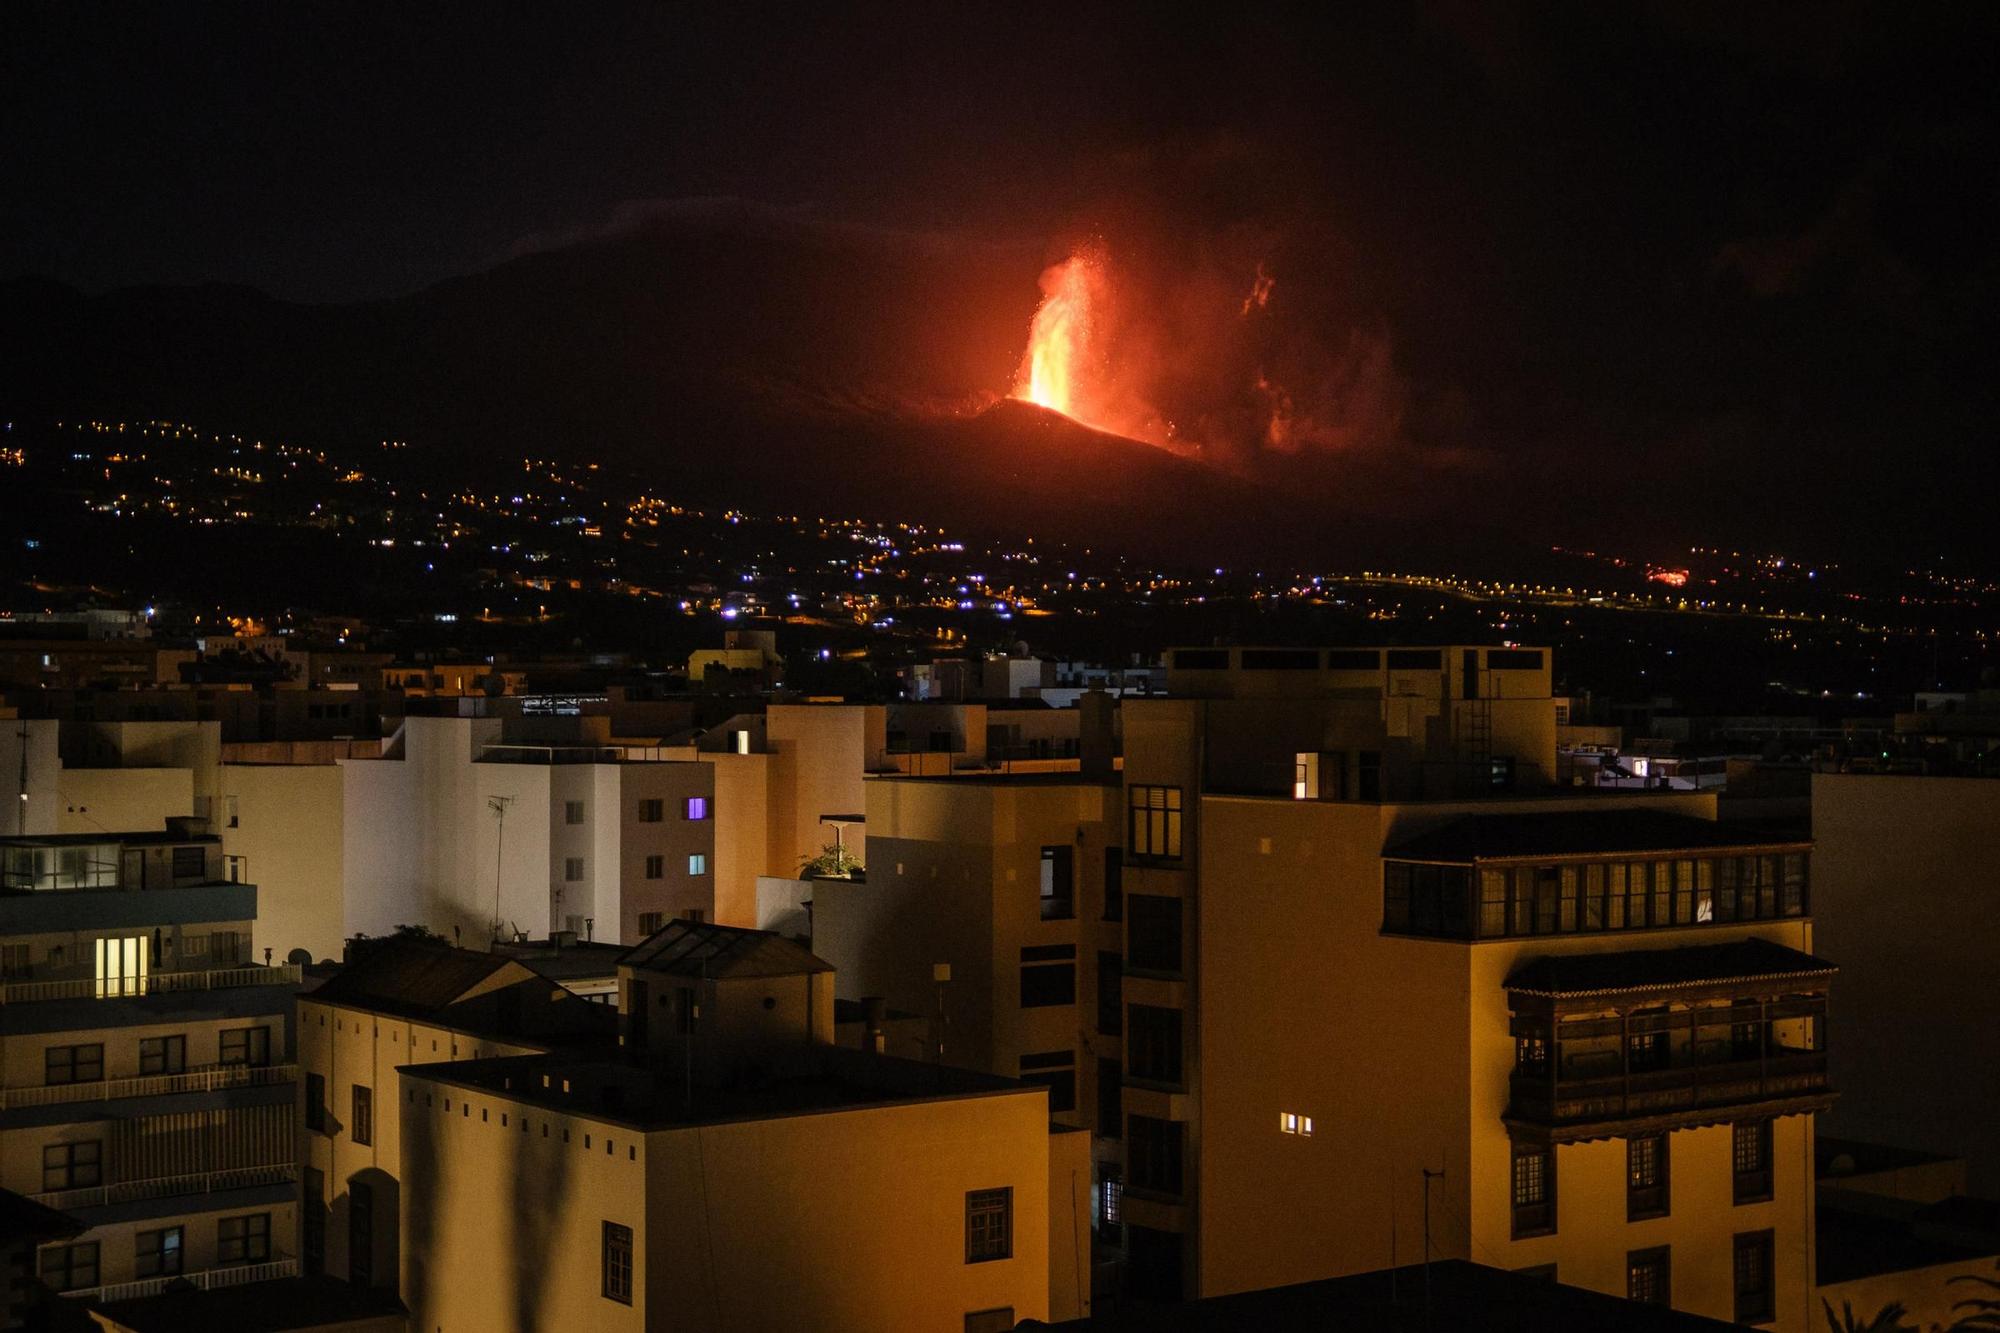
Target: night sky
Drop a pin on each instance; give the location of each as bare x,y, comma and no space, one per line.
1612,245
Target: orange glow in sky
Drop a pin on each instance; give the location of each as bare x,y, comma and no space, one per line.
1059,339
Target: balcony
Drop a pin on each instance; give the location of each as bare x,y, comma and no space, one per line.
213,1078
171,1187
151,983
1572,1108
207,1280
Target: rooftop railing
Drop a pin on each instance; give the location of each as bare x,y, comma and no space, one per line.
170,1187
211,1078
151,983
206,1279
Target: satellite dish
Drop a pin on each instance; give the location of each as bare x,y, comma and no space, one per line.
300,957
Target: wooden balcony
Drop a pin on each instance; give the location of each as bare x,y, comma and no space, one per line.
1564,1110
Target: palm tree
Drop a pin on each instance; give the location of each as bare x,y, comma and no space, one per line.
1888,1319
1976,1314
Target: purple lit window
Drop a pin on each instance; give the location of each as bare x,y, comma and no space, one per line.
697,807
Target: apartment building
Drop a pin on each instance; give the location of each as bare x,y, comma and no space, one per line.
1377,969
731,1168
400,1003
1010,883
146,1058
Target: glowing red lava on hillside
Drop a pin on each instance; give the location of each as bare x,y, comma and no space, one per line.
1059,340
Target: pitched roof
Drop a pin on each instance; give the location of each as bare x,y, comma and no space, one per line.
1581,833
410,975
1579,974
697,948
21,1218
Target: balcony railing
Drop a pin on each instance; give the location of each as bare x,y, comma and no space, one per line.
152,983
207,1280
169,1187
1642,1094
210,1078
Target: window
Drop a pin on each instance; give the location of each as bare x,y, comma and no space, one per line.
1368,775
652,811
656,867
694,914
1531,1056
1153,1153
361,1125
157,1253
1110,1099
74,1064
1110,993
246,1046
697,863
70,1267
572,869
229,809
652,923
72,1166
243,1240
989,1225
1110,1199
190,863
697,807
1154,933
17,960
316,1103
1751,1157
121,967
1058,883
1154,827
1649,1276
1646,1177
1056,1071
1048,975
1291,1122
163,1055
572,812
1754,1297
1155,1043
1534,1191
1114,883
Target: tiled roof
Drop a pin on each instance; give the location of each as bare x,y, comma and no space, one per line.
410,975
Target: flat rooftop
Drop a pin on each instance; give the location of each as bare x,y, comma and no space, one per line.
1557,833
981,777
644,1094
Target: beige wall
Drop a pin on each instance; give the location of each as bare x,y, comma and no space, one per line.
122,800
1904,884
289,831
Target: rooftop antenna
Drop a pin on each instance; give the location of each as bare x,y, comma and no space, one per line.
498,805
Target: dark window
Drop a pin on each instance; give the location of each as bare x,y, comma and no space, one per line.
1058,883
1154,822
989,1225
72,1166
1155,1044
652,811
1368,776
1397,877
1534,1191
1280,659
163,1055
1056,1071
1114,883
1415,659
1492,904
74,1064
618,1263
1751,1158
652,923
656,866
1110,994
1754,1297
316,1102
1646,1177
190,863
1531,1056
572,812
70,1267
1153,1154
1353,659
243,1240
1513,659
1110,1099
362,1126
1153,933
1792,887
1044,984
1201,659
1649,1276
1646,1040
360,1234
246,1046
313,1241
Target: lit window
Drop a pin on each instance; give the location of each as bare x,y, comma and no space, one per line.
1291,1122
697,863
697,807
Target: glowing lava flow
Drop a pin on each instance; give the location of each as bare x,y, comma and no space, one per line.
1059,338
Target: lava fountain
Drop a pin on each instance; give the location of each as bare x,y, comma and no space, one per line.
1058,358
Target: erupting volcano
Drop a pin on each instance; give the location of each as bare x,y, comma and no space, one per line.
1060,351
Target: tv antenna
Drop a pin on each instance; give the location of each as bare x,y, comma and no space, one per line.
498,805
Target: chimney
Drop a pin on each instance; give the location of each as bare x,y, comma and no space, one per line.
874,1017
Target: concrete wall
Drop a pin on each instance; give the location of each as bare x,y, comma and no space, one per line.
290,831
1904,885
121,800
